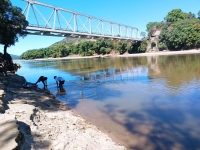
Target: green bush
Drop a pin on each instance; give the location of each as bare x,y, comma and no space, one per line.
153,44
103,50
108,50
162,46
143,46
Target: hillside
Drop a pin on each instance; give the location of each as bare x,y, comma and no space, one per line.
84,47
70,40
14,57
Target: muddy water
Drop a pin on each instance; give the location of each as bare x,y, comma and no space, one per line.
150,103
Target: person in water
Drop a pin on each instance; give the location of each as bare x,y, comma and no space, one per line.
43,80
59,82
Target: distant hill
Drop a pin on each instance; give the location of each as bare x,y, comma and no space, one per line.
14,56
72,40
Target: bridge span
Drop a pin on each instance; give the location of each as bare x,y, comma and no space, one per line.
45,19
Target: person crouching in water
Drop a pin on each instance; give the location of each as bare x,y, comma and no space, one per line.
59,81
43,80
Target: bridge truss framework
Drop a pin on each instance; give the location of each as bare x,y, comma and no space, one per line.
56,21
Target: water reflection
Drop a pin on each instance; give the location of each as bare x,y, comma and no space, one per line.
163,121
146,102
177,70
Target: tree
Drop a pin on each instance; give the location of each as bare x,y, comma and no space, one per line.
143,34
121,47
162,46
189,15
183,34
143,46
133,47
198,14
13,24
175,15
103,50
153,44
109,44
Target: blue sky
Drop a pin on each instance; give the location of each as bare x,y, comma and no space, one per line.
135,13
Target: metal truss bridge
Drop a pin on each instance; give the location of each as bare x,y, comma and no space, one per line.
50,20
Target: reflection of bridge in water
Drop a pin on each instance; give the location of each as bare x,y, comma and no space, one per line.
115,74
95,84
50,20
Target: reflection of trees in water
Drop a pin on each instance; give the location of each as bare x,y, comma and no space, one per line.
93,67
176,69
152,62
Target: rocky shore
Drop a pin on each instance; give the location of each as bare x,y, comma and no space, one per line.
32,119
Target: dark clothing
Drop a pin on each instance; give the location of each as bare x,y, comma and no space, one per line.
59,81
43,80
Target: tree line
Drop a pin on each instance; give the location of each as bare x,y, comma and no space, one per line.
85,48
179,30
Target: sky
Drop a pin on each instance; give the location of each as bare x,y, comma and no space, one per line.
135,13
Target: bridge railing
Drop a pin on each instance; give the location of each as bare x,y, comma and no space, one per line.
51,20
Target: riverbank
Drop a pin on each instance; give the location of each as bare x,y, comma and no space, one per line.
193,51
33,119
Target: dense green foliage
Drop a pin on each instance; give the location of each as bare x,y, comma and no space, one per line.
84,48
143,46
175,15
162,46
179,30
12,25
185,34
153,44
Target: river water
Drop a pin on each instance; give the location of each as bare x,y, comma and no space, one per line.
144,103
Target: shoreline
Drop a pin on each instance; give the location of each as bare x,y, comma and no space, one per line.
159,53
39,121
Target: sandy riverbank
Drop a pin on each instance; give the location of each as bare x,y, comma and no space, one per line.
193,51
32,119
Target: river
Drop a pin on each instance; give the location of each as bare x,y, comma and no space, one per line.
144,103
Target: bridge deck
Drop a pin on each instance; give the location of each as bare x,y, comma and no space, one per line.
63,22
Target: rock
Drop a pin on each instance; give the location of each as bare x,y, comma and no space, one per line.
8,132
2,94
